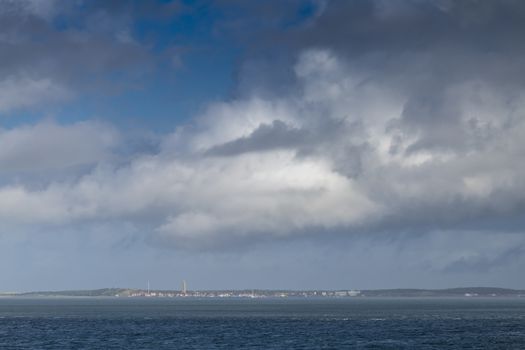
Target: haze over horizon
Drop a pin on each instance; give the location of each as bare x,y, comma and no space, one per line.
296,144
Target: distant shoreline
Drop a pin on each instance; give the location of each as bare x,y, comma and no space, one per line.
467,292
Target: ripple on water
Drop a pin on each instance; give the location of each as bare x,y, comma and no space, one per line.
305,325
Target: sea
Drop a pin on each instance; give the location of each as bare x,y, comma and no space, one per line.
262,323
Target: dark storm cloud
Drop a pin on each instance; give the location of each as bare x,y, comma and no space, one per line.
362,26
424,48
421,46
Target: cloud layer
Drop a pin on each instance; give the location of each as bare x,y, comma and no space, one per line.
381,128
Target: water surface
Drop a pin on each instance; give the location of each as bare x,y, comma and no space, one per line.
349,323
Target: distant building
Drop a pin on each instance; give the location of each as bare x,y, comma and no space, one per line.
347,293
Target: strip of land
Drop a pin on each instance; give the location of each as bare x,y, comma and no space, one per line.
262,293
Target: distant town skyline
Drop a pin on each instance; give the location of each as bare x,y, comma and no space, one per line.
296,144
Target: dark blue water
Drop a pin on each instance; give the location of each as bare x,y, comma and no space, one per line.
353,323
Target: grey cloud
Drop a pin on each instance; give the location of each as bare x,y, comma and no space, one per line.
320,137
381,141
264,138
71,46
382,128
363,26
484,263
48,145
147,9
422,49
463,252
79,50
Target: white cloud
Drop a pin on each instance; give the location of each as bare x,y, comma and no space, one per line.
223,122
354,172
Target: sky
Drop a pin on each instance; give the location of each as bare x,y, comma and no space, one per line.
281,144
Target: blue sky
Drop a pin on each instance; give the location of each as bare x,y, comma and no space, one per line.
247,144
187,65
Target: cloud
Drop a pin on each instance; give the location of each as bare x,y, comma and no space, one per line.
381,129
335,155
265,137
472,252
50,53
27,92
48,145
